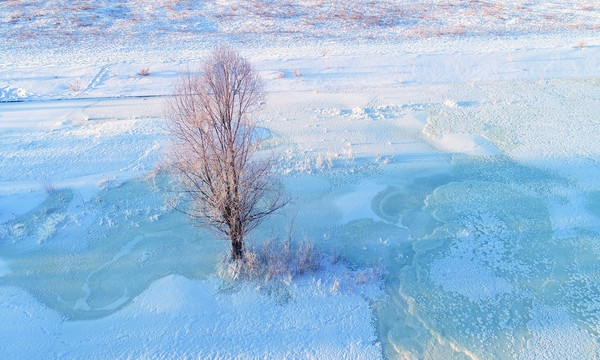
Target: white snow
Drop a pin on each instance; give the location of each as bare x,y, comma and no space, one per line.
468,144
181,318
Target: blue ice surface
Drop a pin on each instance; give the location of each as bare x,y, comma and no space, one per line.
92,260
470,250
474,279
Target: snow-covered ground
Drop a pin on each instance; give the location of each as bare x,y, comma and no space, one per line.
177,317
122,22
455,143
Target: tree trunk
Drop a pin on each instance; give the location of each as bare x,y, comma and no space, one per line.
237,240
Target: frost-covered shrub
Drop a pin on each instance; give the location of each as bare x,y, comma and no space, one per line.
272,261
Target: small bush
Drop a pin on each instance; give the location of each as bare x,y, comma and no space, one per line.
297,73
144,72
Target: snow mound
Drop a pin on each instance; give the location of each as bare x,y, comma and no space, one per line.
9,93
468,144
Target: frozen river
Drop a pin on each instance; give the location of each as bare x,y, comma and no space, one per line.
474,262
492,246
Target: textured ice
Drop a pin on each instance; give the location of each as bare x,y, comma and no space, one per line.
493,236
397,203
555,336
505,237
463,273
120,248
468,287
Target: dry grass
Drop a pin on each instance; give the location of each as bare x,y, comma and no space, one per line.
71,21
273,261
144,72
47,185
75,86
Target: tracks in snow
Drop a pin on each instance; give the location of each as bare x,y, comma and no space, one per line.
96,80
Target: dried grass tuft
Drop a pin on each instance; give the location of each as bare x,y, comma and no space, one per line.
47,185
75,86
273,261
144,72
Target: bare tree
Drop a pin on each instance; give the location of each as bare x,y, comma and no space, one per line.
224,182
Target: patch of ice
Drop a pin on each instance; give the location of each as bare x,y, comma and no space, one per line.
555,336
82,303
4,269
464,274
357,204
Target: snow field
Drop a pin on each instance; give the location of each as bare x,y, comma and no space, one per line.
118,22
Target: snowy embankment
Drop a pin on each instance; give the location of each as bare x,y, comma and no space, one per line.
109,126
